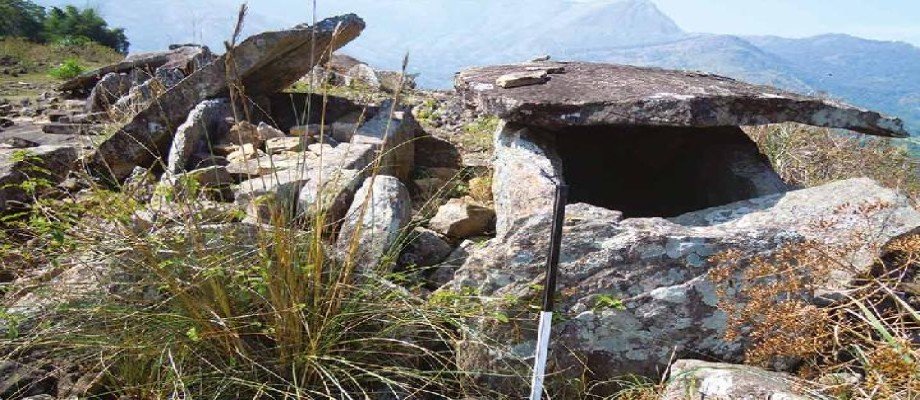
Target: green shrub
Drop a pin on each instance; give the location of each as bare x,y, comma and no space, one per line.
71,68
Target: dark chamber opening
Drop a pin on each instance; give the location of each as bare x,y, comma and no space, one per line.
648,171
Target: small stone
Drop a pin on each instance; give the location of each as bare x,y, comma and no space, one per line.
16,143
312,130
526,78
243,153
267,131
463,218
278,145
245,133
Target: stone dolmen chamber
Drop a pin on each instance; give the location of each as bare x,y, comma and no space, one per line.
665,150
646,142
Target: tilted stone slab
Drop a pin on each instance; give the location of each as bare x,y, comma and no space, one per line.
266,63
609,94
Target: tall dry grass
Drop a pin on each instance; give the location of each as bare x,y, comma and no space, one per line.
807,156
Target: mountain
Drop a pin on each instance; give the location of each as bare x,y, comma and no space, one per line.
445,36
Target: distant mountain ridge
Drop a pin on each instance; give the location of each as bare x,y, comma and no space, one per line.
445,36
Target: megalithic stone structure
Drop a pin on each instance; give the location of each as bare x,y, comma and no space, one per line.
265,63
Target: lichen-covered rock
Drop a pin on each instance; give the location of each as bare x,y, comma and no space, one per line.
462,218
378,216
330,195
609,94
637,291
700,380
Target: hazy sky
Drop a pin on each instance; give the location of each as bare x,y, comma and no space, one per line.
872,19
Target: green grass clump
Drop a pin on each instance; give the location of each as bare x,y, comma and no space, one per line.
71,68
477,135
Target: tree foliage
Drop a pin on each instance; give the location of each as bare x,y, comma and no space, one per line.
21,18
67,25
73,24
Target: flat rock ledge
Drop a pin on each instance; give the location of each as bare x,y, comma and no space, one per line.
608,94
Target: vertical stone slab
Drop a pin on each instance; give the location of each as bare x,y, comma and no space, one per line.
527,170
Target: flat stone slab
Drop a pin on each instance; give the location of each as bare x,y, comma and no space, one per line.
610,94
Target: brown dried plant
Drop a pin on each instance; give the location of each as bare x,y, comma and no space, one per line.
792,311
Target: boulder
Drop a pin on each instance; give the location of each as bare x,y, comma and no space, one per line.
203,125
654,275
462,218
700,380
244,152
140,96
243,133
393,137
424,249
330,195
267,131
265,63
608,94
46,164
376,220
444,272
107,91
362,74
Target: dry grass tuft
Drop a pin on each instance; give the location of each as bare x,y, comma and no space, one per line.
808,156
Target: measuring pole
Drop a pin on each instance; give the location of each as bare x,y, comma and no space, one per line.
549,291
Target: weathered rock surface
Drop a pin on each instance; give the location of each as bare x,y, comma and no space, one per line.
266,63
462,218
393,137
700,380
203,125
608,94
424,249
527,171
330,195
375,221
108,90
658,269
43,163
